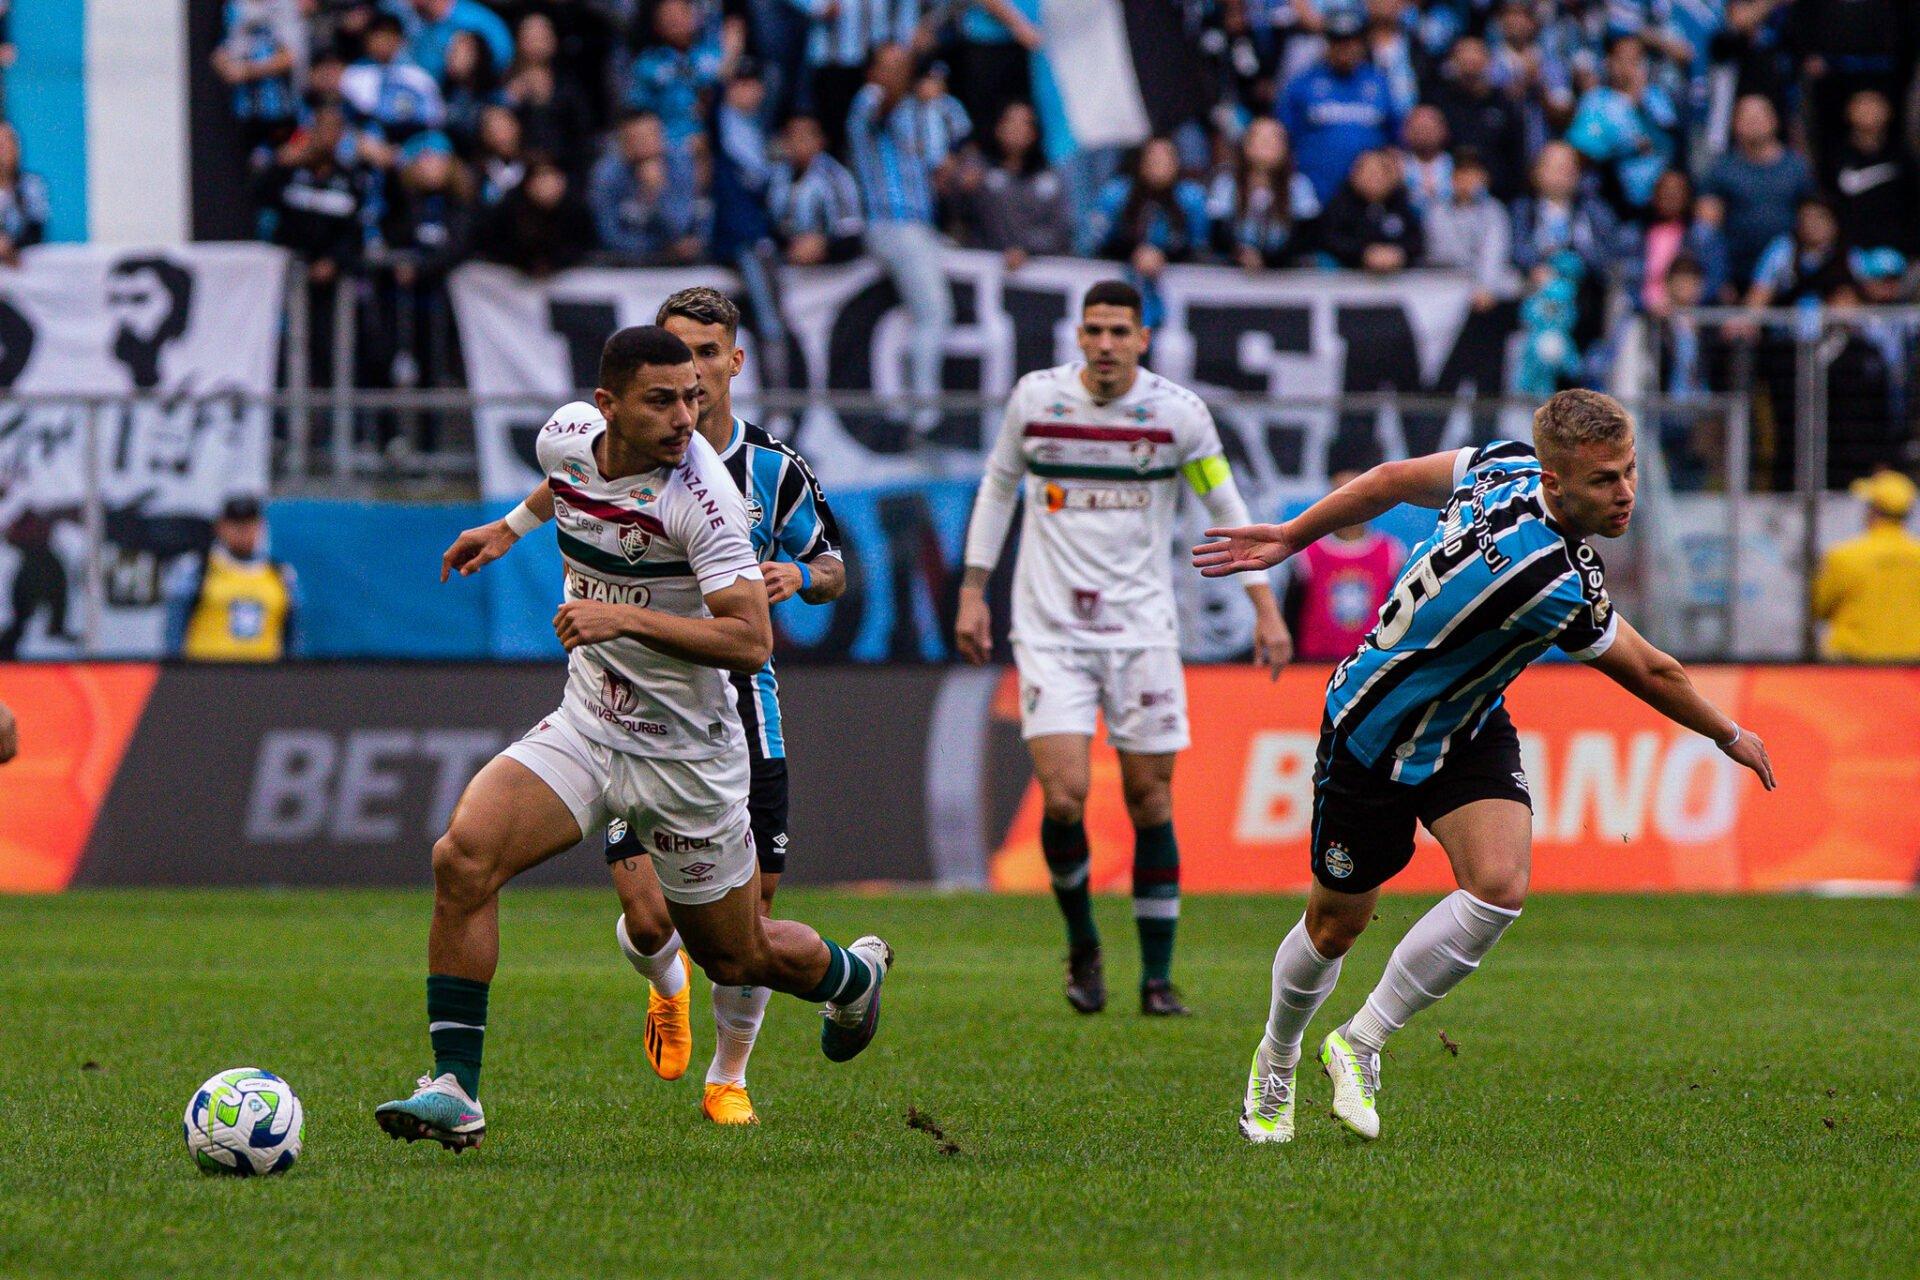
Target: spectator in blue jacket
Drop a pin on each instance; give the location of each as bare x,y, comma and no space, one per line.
1151,216
24,207
387,90
263,59
431,23
642,203
1338,108
1628,127
675,77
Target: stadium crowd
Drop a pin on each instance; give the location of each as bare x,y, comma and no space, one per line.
1583,159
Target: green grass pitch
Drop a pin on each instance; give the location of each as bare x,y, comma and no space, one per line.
1682,1087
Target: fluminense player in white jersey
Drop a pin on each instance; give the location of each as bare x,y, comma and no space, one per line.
663,596
1101,449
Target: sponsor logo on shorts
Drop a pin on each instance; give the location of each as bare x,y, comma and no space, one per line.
634,542
697,872
1086,604
616,831
1030,695
1059,497
780,840
673,842
1521,778
1158,697
581,587
1338,861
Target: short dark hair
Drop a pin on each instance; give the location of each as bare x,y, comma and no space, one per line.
387,22
702,306
1113,293
636,347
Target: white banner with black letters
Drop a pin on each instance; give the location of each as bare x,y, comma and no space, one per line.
1266,338
181,335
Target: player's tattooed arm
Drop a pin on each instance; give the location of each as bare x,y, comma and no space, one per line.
482,545
738,637
827,574
1658,679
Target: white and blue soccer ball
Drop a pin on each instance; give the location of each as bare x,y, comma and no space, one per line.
242,1122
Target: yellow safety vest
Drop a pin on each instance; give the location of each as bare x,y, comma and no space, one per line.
1869,591
241,614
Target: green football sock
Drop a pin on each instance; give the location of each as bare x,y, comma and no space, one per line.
457,1023
1156,897
847,977
1064,845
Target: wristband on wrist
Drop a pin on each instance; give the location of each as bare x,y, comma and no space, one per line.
1730,743
521,521
806,576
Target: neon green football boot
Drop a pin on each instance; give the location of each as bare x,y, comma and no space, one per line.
1356,1078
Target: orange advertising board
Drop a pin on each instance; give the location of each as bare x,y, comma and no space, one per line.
75,723
1623,799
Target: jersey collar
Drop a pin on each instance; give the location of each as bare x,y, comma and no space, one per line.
736,439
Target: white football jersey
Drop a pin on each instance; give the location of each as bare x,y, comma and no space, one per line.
666,540
1102,484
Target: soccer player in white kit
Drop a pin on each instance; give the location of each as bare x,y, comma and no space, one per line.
663,596
1100,450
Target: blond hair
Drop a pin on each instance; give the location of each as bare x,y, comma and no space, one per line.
1580,417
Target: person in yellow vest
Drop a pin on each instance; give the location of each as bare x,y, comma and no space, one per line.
1868,589
233,604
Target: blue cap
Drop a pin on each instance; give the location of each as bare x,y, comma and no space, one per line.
1344,22
426,140
1883,263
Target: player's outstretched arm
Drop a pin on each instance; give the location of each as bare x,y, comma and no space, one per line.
483,544
1423,482
1658,679
9,735
738,637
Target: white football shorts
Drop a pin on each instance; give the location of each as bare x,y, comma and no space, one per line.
689,815
1142,693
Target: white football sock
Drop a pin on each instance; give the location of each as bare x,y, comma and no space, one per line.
1444,946
663,968
737,1012
1302,980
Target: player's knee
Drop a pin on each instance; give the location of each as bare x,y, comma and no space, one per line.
1505,887
1333,933
649,930
1149,803
1064,799
463,870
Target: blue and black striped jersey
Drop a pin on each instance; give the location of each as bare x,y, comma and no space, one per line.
1493,587
791,521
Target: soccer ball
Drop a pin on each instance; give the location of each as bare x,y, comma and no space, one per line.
242,1122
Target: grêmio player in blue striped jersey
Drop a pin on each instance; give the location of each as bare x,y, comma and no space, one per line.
1415,728
790,518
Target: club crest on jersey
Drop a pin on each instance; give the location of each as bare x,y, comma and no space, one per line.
1142,451
754,511
616,693
1338,861
634,542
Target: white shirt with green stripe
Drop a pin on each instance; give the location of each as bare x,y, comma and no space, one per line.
1102,485
664,540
